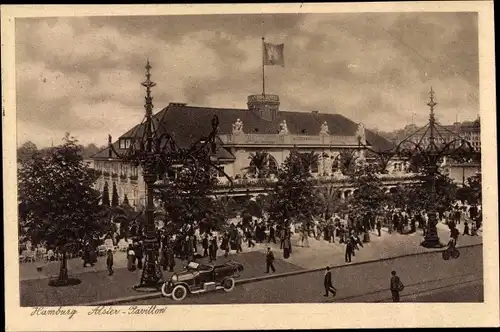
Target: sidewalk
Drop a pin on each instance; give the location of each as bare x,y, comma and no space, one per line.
98,286
321,253
28,271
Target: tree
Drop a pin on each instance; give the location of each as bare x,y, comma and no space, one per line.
57,202
259,164
445,193
187,198
90,150
328,201
293,192
25,151
472,190
369,197
105,194
346,160
114,196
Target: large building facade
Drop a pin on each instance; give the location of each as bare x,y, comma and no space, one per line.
262,127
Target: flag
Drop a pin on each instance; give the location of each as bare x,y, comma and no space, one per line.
273,55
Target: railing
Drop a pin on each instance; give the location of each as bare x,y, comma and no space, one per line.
263,98
277,139
339,179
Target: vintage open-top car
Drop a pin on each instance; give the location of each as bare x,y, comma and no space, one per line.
198,278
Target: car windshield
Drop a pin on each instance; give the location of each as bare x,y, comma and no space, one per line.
193,266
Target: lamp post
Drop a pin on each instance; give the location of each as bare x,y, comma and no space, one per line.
155,150
431,154
431,239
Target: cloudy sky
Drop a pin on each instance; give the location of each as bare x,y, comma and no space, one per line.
82,75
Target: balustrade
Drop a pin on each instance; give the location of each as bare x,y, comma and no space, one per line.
276,139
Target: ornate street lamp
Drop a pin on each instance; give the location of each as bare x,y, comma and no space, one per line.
155,150
431,154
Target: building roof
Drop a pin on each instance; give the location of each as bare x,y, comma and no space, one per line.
187,124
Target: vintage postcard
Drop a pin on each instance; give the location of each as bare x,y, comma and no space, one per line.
263,166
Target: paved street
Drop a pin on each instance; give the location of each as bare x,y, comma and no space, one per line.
357,283
465,294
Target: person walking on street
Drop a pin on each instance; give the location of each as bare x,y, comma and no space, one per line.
138,254
270,260
272,235
130,258
248,234
379,227
349,248
396,286
109,262
225,244
466,228
212,250
328,283
204,244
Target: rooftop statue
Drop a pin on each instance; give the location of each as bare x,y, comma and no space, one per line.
238,127
324,129
360,133
283,128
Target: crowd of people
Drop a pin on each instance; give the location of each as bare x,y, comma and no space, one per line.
199,241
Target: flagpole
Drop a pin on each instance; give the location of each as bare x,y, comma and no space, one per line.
263,74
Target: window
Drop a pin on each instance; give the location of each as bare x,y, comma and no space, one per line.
124,143
133,171
124,169
314,166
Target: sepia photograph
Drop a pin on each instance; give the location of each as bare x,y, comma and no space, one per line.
178,160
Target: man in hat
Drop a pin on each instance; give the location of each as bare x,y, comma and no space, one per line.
328,283
269,260
396,286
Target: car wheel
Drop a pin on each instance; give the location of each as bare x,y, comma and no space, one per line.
455,254
179,292
446,255
228,284
165,289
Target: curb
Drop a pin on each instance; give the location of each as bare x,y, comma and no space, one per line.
272,276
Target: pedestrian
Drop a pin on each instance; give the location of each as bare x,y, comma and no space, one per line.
349,249
396,286
139,253
248,234
272,234
213,248
466,228
170,256
328,283
239,243
109,262
474,229
379,227
130,258
225,244
270,260
286,247
204,244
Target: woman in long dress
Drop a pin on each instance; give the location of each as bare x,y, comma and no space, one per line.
130,258
286,248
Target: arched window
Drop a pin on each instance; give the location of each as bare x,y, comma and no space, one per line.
335,163
314,166
272,165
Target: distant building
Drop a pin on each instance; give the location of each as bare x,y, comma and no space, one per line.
468,130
